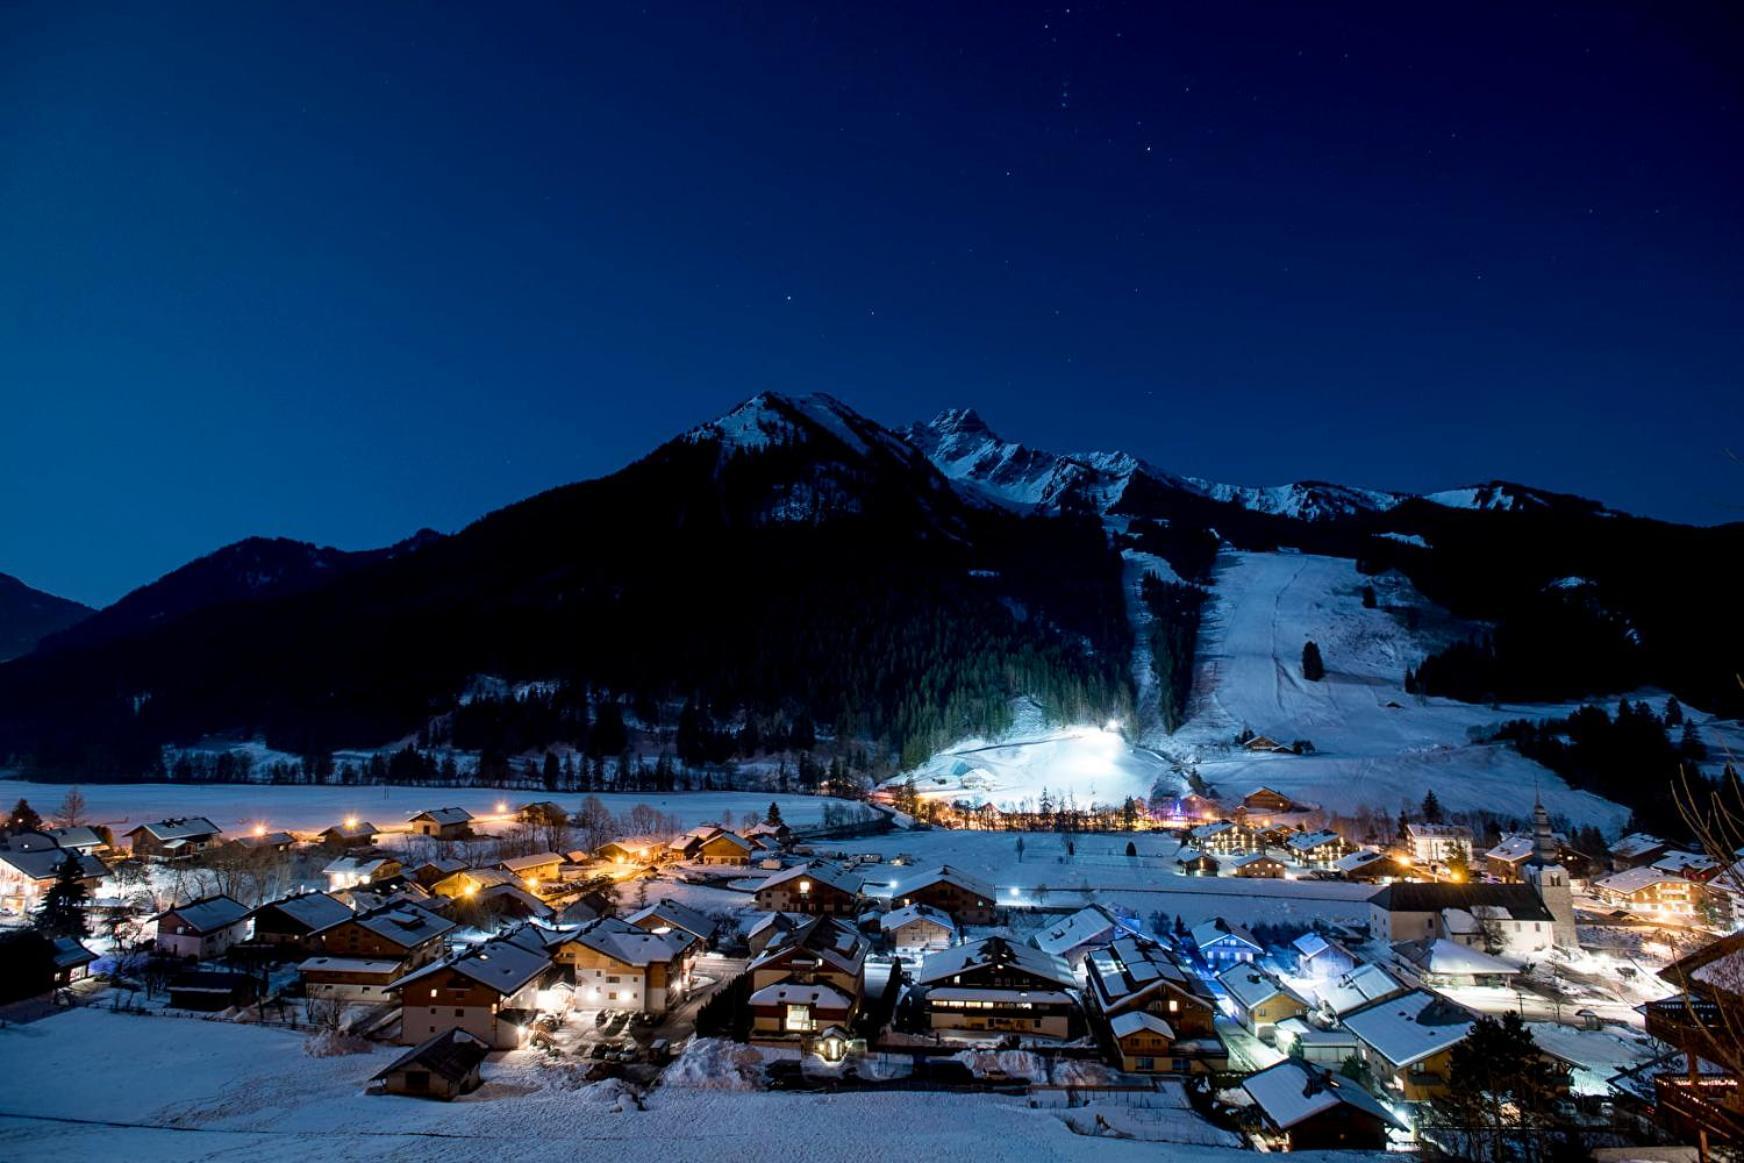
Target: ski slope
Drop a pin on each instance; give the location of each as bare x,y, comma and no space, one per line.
1374,744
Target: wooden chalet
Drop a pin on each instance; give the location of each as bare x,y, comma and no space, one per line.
174,839
966,899
202,929
1132,976
1303,1107
443,823
488,991
817,887
997,987
445,1066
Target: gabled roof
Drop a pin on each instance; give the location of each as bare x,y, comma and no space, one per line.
1361,858
208,914
45,863
1308,841
453,1054
1251,987
1444,957
1127,971
623,942
675,915
1411,1027
1521,901
1513,849
943,874
1217,929
445,816
1248,858
1089,924
1684,863
1359,987
822,995
909,914
782,921
80,837
1634,880
1636,845
525,863
266,840
499,964
350,830
994,951
1715,968
731,838
443,865
189,828
830,941
312,910
357,865
1133,1021
401,923
1292,1092
70,953
819,871
533,905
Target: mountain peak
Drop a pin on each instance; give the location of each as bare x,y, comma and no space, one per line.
964,421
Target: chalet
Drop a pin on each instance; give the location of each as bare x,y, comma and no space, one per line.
1510,918
471,881
489,991
684,848
1368,866
1256,865
174,839
1265,800
443,823
27,873
72,961
769,835
349,833
430,872
1510,856
1305,1108
812,979
261,840
1335,997
1444,964
967,899
1133,976
995,986
445,1066
1406,1041
201,929
1700,1093
617,965
1193,862
1198,807
1090,927
355,871
363,980
535,869
398,931
1650,890
1316,1042
1261,1000
293,921
771,927
511,900
1696,866
1635,850
1224,838
815,887
83,840
1318,956
1266,744
1438,843
629,850
543,813
724,847
1221,943
916,930
1320,849
669,916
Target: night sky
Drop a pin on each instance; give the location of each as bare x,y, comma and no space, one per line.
337,272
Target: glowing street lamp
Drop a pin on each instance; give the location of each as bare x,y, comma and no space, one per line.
350,822
502,807
260,829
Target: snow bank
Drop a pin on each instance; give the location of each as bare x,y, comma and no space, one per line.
716,1064
1018,1064
1081,1072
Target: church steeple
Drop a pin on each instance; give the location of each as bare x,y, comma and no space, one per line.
1543,842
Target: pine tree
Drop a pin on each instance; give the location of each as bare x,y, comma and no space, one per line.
773,816
1313,667
1673,712
1431,808
24,817
63,907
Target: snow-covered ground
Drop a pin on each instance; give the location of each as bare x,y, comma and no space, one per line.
1374,744
91,1083
238,807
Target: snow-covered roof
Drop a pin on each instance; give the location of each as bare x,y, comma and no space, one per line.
1686,862
532,904
674,915
45,863
1361,858
1410,1027
189,828
266,840
830,941
997,994
521,864
1634,880
357,865
351,829
1450,958
624,942
70,953
1357,988
210,914
445,816
820,871
79,837
1438,831
380,967
1250,986
1308,841
910,914
498,964
1133,1021
943,874
1294,1091
1129,969
1215,828
313,910
733,839
404,924
1512,849
794,993
993,951
1636,845
1090,924
1248,858
1207,933
442,865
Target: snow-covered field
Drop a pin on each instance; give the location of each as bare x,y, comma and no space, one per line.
91,1083
236,807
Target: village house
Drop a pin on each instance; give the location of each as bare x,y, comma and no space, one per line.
201,929
80,839
72,961
968,900
1444,964
173,839
1265,744
1334,997
1316,1042
535,869
1089,928
397,931
724,848
769,836
1133,976
1305,1108
629,850
1266,801
1367,866
489,990
1405,1041
1221,943
1651,891
543,814
670,916
995,986
1224,838
1320,957
1504,861
1438,843
293,921
1261,1000
1699,1090
1635,850
1192,862
28,870
817,887
356,871
446,1067
354,980
617,965
1256,866
1321,849
350,832
261,840
443,823
469,882
1510,919
431,872
771,927
511,901
916,930
810,980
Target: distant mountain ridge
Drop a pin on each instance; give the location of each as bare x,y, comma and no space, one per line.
28,615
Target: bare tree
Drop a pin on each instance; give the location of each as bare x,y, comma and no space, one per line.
71,813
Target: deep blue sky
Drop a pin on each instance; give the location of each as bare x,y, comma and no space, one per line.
339,271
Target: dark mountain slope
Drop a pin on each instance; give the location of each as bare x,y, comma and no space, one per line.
29,615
